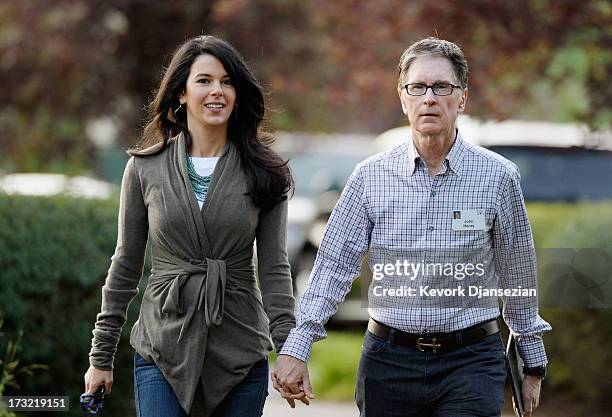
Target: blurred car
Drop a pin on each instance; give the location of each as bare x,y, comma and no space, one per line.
557,161
320,177
53,184
561,174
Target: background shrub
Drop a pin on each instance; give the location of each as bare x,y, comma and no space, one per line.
578,348
54,255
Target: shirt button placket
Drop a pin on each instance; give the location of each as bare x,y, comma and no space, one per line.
433,191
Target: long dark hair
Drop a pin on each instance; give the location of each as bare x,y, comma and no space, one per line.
268,175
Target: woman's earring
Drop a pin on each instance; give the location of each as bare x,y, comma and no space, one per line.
177,109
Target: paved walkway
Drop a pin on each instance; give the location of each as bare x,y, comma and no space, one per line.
277,407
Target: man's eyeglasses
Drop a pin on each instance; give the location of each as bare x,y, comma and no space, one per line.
439,89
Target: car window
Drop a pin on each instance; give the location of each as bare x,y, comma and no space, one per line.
315,173
568,174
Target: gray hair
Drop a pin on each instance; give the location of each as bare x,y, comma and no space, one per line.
435,47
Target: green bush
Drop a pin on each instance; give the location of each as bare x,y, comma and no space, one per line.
578,348
582,225
54,255
11,366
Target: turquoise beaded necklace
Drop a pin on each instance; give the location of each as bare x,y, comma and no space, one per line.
199,183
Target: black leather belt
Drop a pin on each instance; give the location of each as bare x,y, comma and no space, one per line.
434,342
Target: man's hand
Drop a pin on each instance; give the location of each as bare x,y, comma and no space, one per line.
531,394
290,378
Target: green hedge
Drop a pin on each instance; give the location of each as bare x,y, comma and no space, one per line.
579,347
54,254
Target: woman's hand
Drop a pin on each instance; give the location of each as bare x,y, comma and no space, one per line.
95,377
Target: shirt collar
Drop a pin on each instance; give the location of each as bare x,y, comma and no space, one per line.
454,157
413,155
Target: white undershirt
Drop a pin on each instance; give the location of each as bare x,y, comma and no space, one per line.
204,167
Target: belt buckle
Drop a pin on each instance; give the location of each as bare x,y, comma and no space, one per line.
433,345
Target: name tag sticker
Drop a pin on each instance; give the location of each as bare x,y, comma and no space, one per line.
469,220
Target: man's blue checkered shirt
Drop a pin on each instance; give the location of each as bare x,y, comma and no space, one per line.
391,201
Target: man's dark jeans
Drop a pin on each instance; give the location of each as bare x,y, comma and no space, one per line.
395,381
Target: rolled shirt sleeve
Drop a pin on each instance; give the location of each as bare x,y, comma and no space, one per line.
516,267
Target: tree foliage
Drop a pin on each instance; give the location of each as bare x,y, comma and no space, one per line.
328,66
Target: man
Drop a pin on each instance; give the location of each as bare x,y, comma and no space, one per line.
434,192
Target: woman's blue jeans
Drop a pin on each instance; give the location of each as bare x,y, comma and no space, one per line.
155,398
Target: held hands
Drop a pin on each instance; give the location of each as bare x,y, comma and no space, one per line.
95,377
290,378
531,394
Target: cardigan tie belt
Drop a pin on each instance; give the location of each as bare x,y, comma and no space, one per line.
207,278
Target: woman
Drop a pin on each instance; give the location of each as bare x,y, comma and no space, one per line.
203,184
